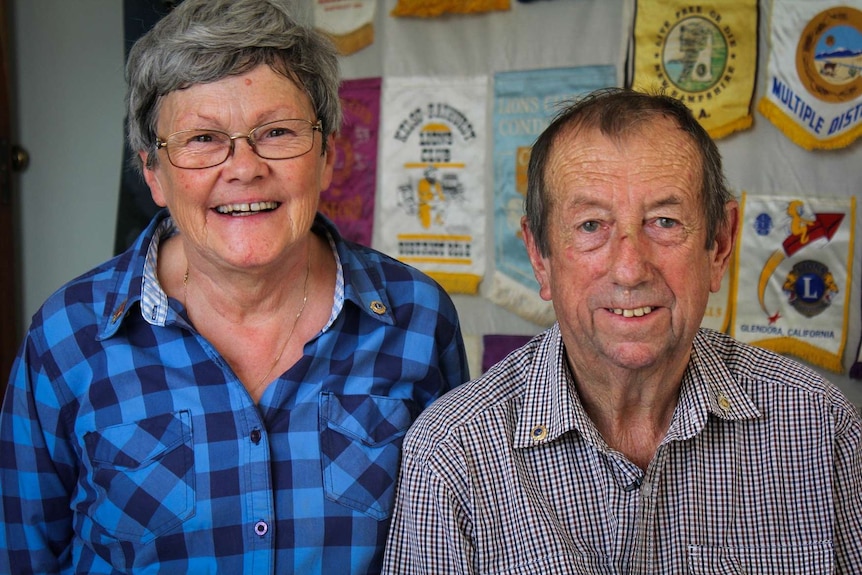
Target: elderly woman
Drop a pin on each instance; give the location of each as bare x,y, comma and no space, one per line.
230,394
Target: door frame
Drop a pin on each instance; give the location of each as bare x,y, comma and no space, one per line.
10,287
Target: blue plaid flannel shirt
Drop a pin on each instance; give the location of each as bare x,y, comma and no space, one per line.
127,444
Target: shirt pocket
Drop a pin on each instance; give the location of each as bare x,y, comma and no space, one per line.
803,559
143,476
569,563
360,440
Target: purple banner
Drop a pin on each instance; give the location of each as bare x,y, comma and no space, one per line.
349,201
496,347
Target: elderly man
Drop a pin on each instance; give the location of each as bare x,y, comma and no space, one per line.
625,438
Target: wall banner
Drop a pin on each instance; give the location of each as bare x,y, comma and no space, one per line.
524,104
348,23
813,90
430,210
704,54
349,200
856,368
793,276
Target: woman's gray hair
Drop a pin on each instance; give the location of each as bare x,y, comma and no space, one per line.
617,112
204,41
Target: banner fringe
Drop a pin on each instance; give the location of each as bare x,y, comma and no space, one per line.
737,125
803,350
799,135
457,283
432,8
510,295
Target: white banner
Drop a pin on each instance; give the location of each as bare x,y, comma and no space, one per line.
813,90
431,204
793,276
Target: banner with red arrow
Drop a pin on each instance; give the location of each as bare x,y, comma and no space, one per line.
793,275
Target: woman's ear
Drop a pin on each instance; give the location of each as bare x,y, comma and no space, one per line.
328,168
152,181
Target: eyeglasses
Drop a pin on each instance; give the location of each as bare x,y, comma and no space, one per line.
200,148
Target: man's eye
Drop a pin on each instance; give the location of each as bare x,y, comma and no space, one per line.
666,222
590,227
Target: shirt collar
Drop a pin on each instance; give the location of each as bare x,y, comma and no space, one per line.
551,405
129,278
708,389
362,282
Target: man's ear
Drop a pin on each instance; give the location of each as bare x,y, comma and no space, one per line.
725,240
152,180
541,269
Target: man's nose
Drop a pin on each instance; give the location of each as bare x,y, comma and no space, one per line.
630,262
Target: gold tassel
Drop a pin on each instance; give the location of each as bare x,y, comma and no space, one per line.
432,8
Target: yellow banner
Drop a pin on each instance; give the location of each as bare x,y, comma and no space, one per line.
704,54
813,91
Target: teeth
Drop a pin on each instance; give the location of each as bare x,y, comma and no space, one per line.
636,312
245,209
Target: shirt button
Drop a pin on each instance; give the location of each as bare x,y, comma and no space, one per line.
539,433
261,528
646,489
255,436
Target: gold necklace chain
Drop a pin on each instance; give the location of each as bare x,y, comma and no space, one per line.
292,328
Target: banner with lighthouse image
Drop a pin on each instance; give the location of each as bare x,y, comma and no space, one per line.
704,54
431,198
793,275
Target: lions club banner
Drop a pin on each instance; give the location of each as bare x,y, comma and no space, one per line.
349,200
431,210
793,276
813,91
524,103
703,53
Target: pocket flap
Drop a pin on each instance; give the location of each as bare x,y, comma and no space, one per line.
130,445
370,419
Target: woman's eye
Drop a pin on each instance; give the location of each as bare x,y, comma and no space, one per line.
666,222
201,139
590,227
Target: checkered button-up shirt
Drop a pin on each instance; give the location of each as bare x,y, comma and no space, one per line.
127,444
760,472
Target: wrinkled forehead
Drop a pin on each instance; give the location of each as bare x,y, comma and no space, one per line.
655,152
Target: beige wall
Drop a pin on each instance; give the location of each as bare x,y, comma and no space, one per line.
69,59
